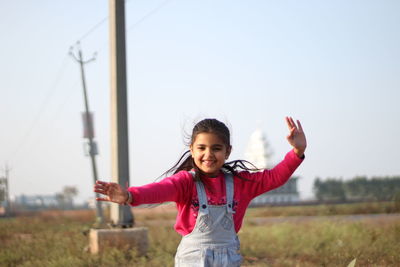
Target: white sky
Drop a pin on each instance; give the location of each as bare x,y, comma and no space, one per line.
335,65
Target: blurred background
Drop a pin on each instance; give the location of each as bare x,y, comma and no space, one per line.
334,65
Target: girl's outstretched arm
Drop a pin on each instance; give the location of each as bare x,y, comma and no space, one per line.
113,192
296,137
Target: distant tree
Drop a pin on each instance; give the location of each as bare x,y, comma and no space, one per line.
69,192
385,188
60,200
318,189
396,200
2,194
329,190
356,188
359,188
2,190
65,198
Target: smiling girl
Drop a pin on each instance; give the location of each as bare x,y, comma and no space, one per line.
211,194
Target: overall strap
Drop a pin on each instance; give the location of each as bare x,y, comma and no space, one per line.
202,196
229,192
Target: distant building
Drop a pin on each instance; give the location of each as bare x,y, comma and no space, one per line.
258,150
37,200
282,195
259,153
43,201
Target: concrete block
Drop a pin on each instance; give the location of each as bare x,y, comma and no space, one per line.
126,238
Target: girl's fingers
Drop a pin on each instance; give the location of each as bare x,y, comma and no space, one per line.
100,191
101,186
104,185
288,122
300,127
107,189
291,133
102,199
291,124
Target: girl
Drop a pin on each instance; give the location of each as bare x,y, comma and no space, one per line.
211,195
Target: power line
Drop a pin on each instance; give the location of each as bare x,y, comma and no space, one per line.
60,108
148,15
138,22
91,30
43,106
61,71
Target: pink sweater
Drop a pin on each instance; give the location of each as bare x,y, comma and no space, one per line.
181,189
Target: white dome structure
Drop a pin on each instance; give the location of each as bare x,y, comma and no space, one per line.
258,150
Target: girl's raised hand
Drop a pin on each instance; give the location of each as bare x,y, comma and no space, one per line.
113,192
296,137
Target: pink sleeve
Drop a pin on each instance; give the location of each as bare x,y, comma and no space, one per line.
267,180
172,188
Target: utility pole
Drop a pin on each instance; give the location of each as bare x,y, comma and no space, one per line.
7,172
121,216
6,189
88,127
123,234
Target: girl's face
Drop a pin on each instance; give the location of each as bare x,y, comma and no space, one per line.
209,153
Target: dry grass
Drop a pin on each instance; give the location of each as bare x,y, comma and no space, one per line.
57,238
325,209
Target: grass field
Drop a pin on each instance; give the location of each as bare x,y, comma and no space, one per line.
56,238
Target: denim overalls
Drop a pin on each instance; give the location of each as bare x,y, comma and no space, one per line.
213,241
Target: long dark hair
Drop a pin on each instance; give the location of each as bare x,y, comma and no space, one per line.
186,162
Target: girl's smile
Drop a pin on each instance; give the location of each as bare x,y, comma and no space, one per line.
209,153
